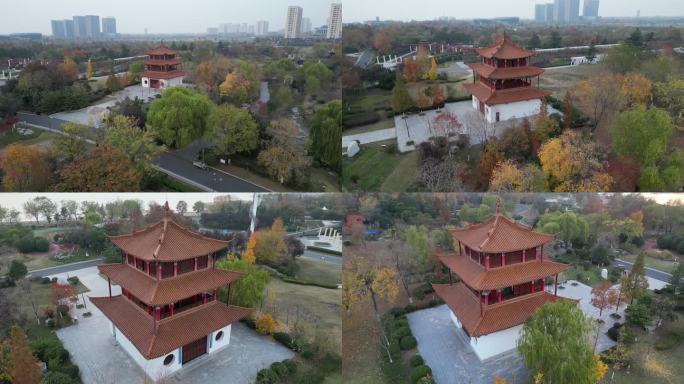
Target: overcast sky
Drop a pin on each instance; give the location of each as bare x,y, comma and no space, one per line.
362,10
17,200
167,16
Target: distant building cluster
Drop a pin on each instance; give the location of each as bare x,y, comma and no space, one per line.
565,11
84,27
297,26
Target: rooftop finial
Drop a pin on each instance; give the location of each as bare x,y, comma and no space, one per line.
167,210
498,205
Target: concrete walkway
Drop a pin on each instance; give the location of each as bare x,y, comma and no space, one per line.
446,350
370,137
102,362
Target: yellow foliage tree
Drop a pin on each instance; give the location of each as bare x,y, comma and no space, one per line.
248,255
89,70
572,165
265,324
635,89
432,73
600,368
499,380
69,68
508,177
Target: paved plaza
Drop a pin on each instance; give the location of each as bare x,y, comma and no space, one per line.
101,361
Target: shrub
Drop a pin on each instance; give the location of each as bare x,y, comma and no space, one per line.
402,331
291,366
615,316
266,376
614,331
41,244
26,244
17,270
79,306
306,351
355,120
279,368
54,280
45,280
416,360
73,280
54,377
87,314
249,321
397,311
283,338
407,342
265,324
419,372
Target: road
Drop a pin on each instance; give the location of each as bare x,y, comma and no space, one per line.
325,257
65,268
650,272
177,163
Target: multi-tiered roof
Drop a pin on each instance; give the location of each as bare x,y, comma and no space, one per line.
502,270
168,284
505,75
163,63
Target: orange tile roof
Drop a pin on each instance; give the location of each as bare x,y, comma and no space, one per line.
172,332
503,96
162,74
166,291
490,72
167,241
504,49
495,317
500,234
478,278
161,50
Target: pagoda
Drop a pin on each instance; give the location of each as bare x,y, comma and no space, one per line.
163,68
502,271
167,313
503,82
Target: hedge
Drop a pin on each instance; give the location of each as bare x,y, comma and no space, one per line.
407,342
416,360
355,120
266,376
419,372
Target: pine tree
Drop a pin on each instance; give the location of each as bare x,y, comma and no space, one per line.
636,282
24,367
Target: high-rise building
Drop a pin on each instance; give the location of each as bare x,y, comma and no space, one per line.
80,27
591,8
109,25
549,12
335,21
306,26
293,24
69,28
58,29
262,28
92,25
540,13
566,11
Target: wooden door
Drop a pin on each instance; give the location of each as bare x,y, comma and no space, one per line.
195,349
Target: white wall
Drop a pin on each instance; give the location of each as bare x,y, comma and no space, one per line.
476,103
225,340
145,82
154,368
495,343
517,109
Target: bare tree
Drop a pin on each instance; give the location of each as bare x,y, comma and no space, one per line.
439,176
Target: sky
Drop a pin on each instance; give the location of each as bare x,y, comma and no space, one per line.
167,16
405,10
17,200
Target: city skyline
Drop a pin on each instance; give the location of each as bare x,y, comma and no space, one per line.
361,10
205,13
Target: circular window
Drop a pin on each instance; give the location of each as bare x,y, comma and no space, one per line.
219,336
145,82
168,359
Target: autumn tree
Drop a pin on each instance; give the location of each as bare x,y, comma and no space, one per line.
544,125
233,130
102,169
432,73
423,62
401,100
282,161
69,68
599,97
271,246
382,41
555,343
437,94
113,83
603,296
248,255
411,70
23,366
180,116
669,95
210,73
488,161
326,135
509,177
240,85
26,169
89,70
635,285
446,124
572,165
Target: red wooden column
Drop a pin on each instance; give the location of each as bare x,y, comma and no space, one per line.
175,268
171,309
159,270
460,252
524,253
214,295
157,313
487,263
450,281
195,263
541,253
147,267
543,284
228,298
498,292
503,259
204,297
532,286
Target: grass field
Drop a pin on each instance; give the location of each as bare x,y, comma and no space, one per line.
652,262
39,138
559,80
372,165
319,272
38,294
318,311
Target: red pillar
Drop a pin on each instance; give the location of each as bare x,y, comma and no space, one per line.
157,313
543,284
171,309
159,269
204,297
541,254
175,268
503,259
524,253
487,263
481,303
147,267
214,295
195,263
499,295
532,286
486,299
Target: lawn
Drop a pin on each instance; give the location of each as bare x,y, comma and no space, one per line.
384,123
39,138
404,174
560,80
317,310
317,271
40,294
372,166
652,262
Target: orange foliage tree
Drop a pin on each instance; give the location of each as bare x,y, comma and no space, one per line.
603,295
411,70
26,169
104,168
